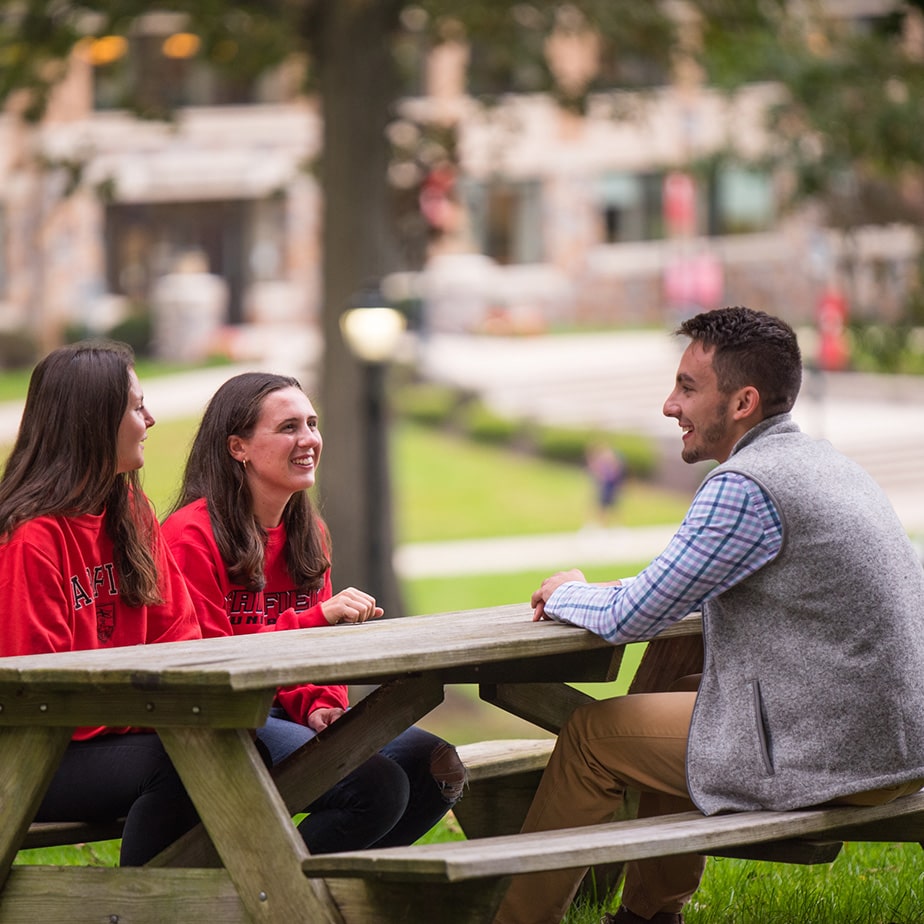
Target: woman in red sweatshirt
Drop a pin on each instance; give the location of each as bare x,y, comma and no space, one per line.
83,565
256,557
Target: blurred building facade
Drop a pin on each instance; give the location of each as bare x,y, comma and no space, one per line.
542,217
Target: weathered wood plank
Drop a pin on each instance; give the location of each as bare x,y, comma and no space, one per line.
71,894
117,708
354,738
909,829
503,756
803,851
28,760
546,705
687,832
600,665
248,824
369,901
53,834
368,653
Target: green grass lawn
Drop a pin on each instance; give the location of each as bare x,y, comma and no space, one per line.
449,488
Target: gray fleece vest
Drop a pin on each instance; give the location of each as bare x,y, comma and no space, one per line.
813,683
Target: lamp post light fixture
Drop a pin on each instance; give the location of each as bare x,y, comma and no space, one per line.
372,332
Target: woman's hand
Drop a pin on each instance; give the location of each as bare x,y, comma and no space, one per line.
350,605
321,718
548,587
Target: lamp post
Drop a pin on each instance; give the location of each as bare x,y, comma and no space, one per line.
372,332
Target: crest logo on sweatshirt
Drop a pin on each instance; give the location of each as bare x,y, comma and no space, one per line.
105,623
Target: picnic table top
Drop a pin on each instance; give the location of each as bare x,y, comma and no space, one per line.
368,652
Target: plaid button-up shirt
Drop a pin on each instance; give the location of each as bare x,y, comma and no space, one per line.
731,530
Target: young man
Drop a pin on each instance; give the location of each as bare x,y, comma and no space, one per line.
813,623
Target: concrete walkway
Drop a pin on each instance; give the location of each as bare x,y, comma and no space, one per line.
550,552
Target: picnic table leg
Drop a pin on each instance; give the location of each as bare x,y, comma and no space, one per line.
369,725
249,824
547,705
315,767
40,750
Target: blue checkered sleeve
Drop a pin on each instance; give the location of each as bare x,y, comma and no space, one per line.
731,530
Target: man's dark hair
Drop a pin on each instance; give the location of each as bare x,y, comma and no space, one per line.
751,348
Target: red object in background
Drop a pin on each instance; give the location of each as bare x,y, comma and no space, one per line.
833,352
696,282
436,197
679,203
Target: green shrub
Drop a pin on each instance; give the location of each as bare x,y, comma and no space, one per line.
75,332
428,404
570,444
18,349
137,330
886,348
435,405
638,452
480,423
564,444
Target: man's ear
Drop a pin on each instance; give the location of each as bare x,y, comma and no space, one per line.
747,404
236,448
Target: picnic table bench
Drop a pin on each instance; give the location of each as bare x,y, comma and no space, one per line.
246,861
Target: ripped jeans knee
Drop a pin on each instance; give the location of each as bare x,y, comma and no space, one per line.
448,771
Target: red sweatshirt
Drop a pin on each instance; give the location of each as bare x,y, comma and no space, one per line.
58,592
225,608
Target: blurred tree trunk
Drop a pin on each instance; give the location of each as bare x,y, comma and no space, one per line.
358,91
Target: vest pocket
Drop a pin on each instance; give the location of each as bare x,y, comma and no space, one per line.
759,726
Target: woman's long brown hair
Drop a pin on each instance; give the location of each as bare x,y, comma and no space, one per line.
65,458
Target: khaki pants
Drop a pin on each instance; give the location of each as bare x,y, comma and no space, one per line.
637,742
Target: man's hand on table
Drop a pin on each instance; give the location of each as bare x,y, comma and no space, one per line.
551,584
548,587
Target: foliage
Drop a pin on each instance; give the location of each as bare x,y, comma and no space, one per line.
427,403
246,37
570,444
137,330
886,348
18,349
481,423
844,124
433,404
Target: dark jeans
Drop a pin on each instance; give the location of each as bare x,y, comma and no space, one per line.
392,799
122,776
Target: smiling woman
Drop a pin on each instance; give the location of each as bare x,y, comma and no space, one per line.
82,567
257,559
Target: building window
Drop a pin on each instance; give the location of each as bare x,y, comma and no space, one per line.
240,240
742,202
506,219
631,207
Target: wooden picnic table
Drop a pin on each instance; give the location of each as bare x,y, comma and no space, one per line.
244,863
